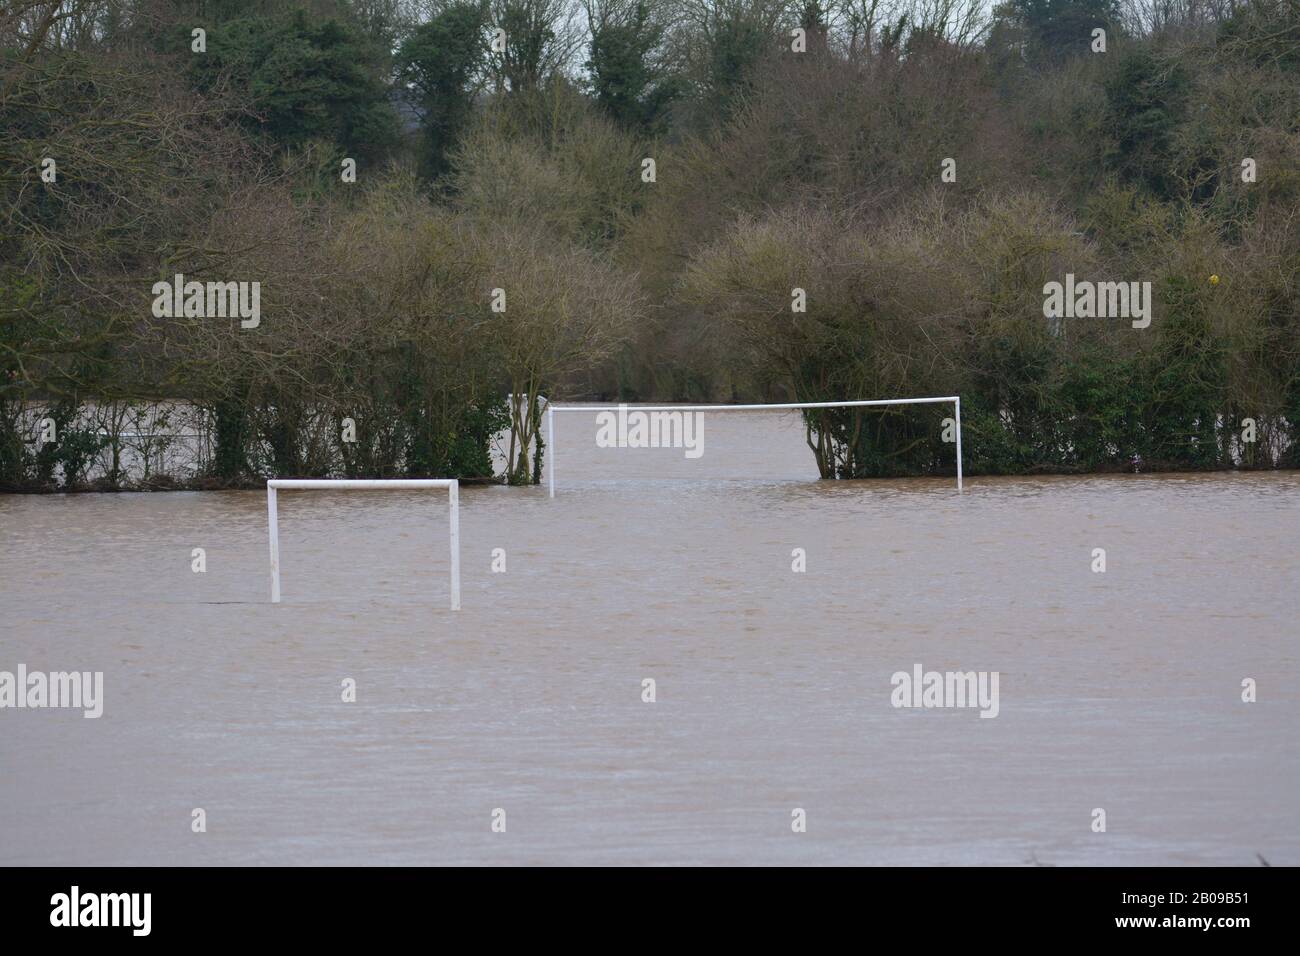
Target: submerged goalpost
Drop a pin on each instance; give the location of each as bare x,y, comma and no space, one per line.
351,484
551,409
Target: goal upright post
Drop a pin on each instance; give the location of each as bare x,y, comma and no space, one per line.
957,418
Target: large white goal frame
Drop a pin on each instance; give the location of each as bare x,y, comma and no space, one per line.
354,484
551,409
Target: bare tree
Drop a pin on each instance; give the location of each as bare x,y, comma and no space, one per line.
541,38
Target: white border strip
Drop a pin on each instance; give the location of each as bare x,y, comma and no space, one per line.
551,409
352,484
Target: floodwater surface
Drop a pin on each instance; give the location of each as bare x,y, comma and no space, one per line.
1119,690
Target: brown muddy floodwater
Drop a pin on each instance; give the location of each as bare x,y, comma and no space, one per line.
1119,690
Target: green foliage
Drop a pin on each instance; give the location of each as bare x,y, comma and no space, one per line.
445,432
738,44
627,82
303,80
1058,28
1146,99
442,62
530,32
1188,382
1263,32
232,440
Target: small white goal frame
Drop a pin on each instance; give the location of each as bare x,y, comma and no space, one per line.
354,484
551,409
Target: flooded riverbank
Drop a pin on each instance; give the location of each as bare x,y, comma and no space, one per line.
1119,690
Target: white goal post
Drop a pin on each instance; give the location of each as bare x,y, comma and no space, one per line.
351,484
551,409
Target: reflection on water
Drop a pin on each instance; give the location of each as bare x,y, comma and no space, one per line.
1119,690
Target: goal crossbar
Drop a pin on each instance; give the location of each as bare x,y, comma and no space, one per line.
275,485
551,409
